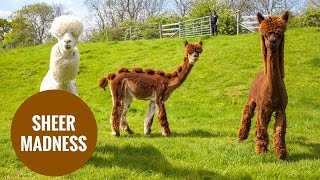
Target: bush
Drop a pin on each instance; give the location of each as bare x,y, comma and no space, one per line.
227,21
311,17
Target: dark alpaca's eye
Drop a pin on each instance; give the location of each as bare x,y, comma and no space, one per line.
199,50
191,51
279,35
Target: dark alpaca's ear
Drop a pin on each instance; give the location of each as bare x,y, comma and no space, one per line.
200,43
186,43
285,16
260,17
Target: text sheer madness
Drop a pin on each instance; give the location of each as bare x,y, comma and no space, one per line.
53,123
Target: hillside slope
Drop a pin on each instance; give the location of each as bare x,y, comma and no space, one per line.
204,113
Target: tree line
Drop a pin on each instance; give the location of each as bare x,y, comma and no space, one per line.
137,19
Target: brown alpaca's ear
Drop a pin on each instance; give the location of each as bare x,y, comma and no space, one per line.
260,17
186,43
285,16
200,43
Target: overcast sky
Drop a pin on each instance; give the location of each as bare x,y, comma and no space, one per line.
75,6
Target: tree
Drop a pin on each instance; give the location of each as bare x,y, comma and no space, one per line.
59,10
110,14
38,18
245,7
20,33
151,8
183,7
314,3
100,12
5,27
202,8
274,6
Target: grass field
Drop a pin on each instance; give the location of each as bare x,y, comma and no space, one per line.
204,113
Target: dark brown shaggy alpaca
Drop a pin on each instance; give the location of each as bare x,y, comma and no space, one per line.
147,84
268,92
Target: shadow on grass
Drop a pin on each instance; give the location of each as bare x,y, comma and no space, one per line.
145,158
313,154
197,133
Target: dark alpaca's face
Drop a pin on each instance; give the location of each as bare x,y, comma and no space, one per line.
272,40
193,51
272,29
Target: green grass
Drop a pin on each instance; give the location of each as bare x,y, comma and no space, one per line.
204,113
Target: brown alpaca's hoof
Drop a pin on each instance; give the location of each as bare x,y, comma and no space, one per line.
113,133
147,131
166,133
283,157
282,154
240,140
261,150
129,131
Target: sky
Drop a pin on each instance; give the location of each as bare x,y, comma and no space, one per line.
7,7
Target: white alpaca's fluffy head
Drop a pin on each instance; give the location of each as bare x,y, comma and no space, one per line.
67,29
66,23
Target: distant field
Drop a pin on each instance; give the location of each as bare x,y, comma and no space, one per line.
204,113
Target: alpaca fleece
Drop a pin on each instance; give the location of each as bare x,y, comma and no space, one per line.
268,92
147,84
64,58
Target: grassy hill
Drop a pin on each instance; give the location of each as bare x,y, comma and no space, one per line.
204,113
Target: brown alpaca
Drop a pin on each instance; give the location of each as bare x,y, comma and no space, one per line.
268,92
147,84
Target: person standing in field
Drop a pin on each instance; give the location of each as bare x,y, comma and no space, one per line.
214,22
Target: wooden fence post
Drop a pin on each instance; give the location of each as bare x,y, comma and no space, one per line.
238,22
160,30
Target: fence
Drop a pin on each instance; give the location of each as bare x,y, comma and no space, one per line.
247,23
169,30
189,28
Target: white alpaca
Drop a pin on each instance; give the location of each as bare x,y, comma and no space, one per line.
65,58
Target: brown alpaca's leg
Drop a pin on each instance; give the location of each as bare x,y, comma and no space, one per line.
248,113
115,118
279,135
123,122
149,117
262,138
162,117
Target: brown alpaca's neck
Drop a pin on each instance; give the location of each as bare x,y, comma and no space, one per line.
273,67
175,82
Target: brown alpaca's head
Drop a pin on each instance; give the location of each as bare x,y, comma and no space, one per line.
193,51
272,29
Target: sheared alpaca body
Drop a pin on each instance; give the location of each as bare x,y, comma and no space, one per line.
65,58
268,92
155,86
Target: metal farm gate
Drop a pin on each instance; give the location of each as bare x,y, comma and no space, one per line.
188,28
